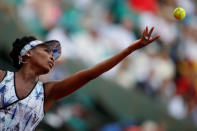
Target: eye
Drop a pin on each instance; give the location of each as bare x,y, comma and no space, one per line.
47,50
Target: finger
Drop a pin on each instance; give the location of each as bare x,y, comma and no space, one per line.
151,31
144,33
153,39
146,30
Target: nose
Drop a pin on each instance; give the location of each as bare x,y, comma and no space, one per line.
51,57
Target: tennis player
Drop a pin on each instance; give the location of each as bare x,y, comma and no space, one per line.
24,99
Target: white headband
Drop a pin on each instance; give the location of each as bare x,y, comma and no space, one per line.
29,46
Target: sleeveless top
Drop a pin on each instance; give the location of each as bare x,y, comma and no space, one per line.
20,114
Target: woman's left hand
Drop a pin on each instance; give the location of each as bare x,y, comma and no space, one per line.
145,38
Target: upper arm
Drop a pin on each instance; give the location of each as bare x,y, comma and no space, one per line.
58,89
2,75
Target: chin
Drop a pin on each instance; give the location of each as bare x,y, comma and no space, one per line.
45,70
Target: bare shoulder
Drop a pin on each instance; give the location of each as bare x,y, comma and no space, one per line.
48,87
49,90
2,75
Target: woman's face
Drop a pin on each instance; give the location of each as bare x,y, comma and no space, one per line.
41,57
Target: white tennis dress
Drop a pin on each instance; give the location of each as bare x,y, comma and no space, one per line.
20,114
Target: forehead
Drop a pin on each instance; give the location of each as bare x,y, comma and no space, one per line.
43,46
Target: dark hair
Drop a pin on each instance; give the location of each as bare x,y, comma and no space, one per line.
17,45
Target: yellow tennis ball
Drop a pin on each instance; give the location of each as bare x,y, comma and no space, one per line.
179,13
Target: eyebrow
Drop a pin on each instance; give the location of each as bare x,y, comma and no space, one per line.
46,47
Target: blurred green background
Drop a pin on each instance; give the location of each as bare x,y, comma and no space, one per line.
154,89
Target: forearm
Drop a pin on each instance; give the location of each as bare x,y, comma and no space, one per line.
108,64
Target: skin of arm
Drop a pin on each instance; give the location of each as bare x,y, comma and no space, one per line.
58,89
2,74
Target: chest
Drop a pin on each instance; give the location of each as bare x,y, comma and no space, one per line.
11,92
23,89
20,113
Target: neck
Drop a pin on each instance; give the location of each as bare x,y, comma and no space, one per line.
28,74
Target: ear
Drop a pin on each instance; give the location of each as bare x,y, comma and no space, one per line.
28,54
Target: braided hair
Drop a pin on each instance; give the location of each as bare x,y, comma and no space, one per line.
18,45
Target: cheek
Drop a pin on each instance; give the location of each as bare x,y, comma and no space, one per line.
40,58
40,61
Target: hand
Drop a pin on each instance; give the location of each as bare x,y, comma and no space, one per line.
145,39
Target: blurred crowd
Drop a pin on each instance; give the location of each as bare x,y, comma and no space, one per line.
94,30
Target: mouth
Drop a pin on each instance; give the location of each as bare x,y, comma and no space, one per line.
51,64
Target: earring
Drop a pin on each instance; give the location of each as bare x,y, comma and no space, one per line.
20,60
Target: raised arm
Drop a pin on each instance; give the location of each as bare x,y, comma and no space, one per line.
59,89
